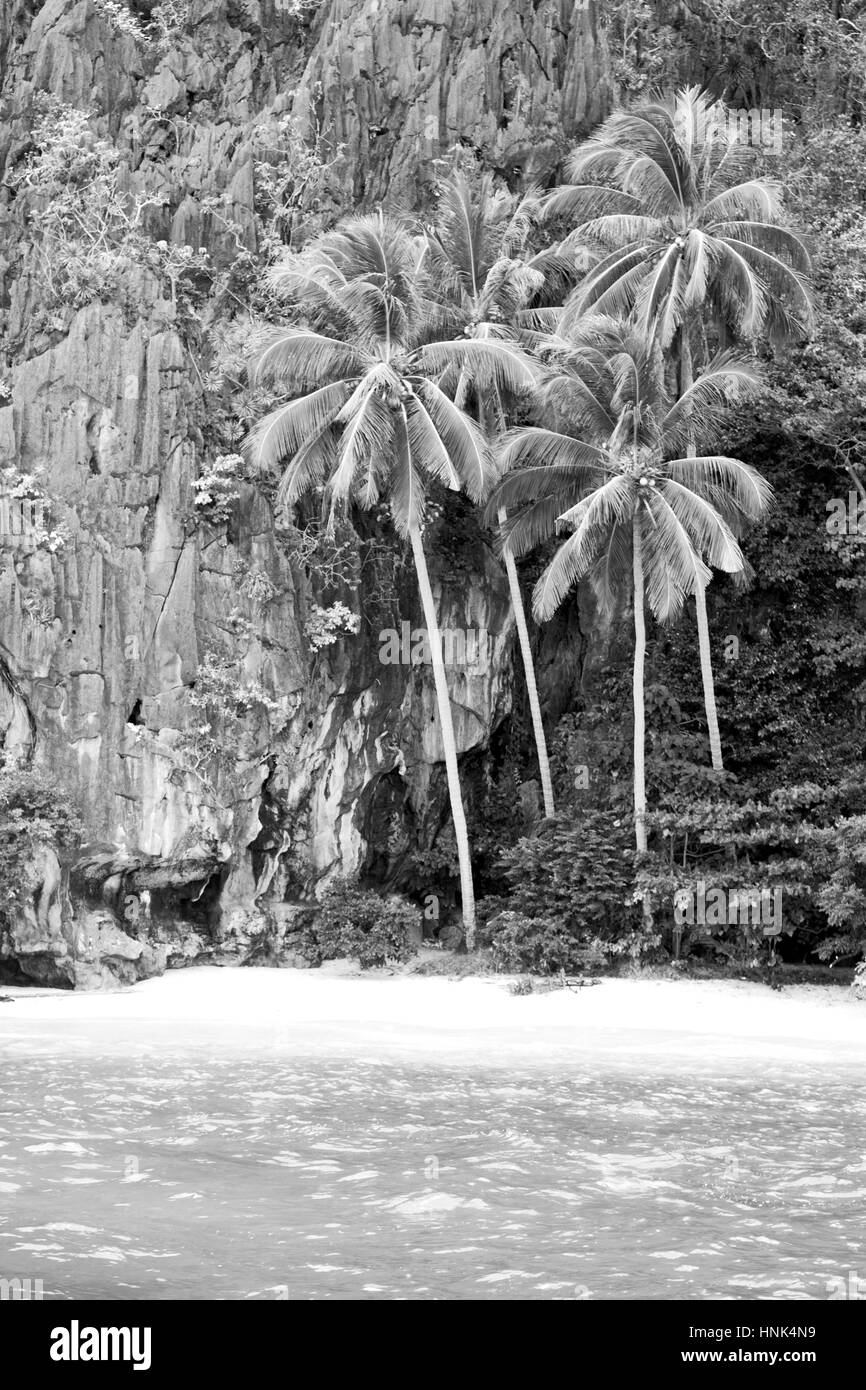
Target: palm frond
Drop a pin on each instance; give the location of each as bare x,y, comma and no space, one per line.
707,530
783,281
367,432
672,564
659,299
618,229
280,434
644,156
700,411
313,283
533,524
700,259
534,322
580,202
611,575
303,359
560,268
428,446
497,362
522,492
463,441
757,197
407,485
593,517
547,449
779,242
609,288
574,398
741,291
509,287
725,481
309,468
461,230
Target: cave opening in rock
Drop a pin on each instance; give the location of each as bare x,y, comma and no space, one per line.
198,903
390,832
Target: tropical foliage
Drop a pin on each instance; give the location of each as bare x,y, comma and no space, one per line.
525,354
585,391
640,520
370,421
690,240
478,251
36,815
365,926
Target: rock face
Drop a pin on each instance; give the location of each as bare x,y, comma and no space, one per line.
203,844
399,84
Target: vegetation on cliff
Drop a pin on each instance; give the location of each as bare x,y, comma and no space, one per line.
228,671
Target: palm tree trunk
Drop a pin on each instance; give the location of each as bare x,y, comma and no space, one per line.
707,677
529,671
449,744
522,629
700,592
638,690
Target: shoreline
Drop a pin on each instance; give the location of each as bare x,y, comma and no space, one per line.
338,1007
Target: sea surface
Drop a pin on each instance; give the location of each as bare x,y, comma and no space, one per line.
200,1171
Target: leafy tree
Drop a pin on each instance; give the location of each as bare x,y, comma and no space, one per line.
35,814
570,894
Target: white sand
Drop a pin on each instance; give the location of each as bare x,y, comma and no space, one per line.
338,1006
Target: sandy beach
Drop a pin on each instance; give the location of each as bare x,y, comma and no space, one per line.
339,1006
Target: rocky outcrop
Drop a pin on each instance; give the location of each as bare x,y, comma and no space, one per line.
135,595
207,843
388,88
400,85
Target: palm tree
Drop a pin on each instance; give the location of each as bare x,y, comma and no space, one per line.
606,462
483,271
684,230
369,419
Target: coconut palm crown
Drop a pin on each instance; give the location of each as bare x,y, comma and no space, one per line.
481,259
369,419
669,197
608,450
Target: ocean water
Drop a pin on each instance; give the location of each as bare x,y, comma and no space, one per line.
245,1172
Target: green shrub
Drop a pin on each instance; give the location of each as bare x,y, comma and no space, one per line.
216,489
34,813
578,874
223,704
88,239
536,944
807,841
568,901
359,923
843,896
543,946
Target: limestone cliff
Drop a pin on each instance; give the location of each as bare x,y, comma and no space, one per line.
328,757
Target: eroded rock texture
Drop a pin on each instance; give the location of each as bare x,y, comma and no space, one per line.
335,761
